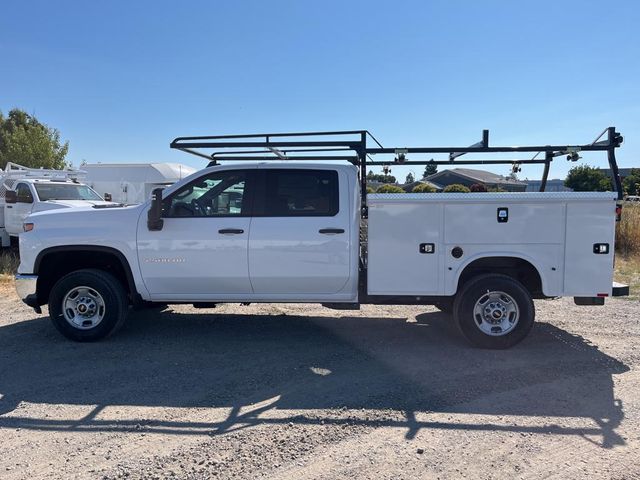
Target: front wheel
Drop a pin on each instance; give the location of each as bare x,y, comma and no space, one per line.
494,311
88,305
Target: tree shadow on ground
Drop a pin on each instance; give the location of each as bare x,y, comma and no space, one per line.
300,363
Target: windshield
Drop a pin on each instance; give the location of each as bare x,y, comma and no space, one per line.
71,191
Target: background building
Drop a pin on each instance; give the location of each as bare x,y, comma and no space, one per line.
408,187
469,176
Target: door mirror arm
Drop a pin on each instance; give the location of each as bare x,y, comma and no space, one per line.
154,216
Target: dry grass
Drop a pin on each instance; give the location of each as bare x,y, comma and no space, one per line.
628,271
628,249
628,231
9,262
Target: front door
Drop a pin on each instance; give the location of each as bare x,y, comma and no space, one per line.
16,213
299,241
201,251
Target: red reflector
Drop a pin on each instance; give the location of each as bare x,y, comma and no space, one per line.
603,295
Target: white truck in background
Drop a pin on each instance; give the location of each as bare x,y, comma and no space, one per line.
302,229
132,183
24,191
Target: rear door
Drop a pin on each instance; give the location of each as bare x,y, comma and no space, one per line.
299,240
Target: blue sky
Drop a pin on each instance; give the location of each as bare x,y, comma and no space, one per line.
121,79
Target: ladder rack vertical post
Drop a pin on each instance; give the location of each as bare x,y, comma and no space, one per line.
362,158
548,157
613,142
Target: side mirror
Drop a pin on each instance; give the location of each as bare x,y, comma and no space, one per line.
154,216
11,197
107,197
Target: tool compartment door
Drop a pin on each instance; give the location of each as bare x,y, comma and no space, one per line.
587,273
405,254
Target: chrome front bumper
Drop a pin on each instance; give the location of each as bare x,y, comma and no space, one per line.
26,289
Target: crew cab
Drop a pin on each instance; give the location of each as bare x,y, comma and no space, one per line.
298,232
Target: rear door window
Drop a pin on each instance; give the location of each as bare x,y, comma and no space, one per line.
299,193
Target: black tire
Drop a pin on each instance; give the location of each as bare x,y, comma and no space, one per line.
116,304
445,305
474,291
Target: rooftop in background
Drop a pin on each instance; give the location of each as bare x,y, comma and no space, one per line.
481,176
469,176
408,187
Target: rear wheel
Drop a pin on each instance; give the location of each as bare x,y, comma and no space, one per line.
88,305
494,311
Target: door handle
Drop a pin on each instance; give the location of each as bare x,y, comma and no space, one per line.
9,206
331,231
232,231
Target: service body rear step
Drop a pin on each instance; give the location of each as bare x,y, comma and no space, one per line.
617,290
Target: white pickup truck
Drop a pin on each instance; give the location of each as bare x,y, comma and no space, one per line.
24,191
295,232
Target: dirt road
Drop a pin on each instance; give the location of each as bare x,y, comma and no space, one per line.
286,391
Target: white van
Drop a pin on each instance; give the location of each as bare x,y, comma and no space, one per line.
132,183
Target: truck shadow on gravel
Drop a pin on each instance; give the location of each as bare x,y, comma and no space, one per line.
309,370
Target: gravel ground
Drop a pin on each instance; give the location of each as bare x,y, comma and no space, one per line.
299,391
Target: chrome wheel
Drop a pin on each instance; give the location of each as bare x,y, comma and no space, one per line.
83,308
496,313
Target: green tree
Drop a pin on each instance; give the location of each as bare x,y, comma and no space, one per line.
456,188
631,183
389,189
430,169
26,141
380,177
409,178
583,178
423,188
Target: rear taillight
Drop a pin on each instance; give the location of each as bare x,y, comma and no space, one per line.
27,227
618,212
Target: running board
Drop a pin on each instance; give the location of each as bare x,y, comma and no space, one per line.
204,305
342,306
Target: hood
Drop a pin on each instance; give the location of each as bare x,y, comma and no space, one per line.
55,204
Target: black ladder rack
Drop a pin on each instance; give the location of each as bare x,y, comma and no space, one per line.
351,146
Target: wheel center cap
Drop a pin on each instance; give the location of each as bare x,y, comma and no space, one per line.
497,314
82,308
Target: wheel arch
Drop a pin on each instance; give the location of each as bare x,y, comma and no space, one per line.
54,262
517,266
